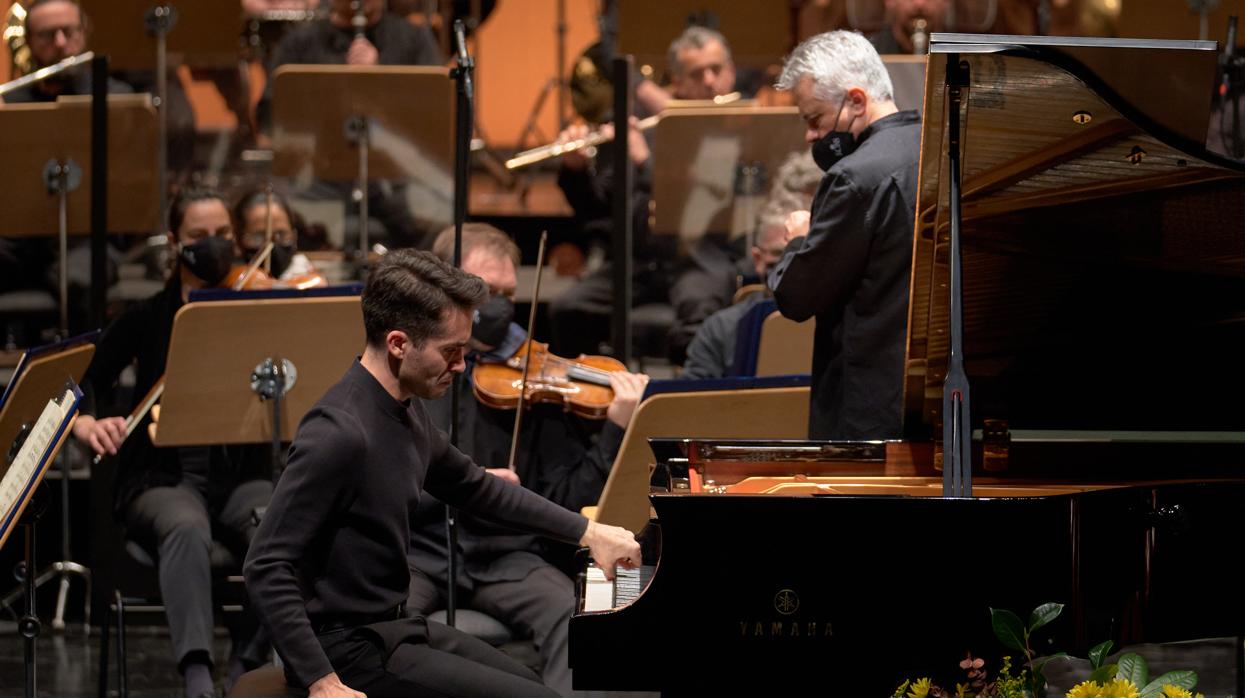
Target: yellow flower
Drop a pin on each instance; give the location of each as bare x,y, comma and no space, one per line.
1121,688
1088,689
920,689
1170,691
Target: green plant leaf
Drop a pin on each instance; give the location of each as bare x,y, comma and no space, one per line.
1099,652
1133,668
1104,673
1181,679
1044,614
1008,628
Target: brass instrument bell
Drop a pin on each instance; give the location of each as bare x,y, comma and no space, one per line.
15,39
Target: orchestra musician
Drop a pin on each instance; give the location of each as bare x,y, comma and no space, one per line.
850,268
906,19
328,569
712,351
701,67
363,35
172,500
252,216
561,456
55,30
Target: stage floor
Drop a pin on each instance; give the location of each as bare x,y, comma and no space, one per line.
68,662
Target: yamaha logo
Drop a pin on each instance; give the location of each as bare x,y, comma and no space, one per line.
786,602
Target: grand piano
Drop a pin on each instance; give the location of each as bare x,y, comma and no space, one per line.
1103,331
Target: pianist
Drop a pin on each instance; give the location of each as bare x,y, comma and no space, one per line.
850,268
327,571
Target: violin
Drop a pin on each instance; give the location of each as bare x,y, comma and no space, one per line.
582,385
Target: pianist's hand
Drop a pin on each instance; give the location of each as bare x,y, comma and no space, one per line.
329,686
610,546
104,436
504,473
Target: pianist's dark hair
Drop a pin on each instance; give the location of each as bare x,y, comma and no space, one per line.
186,197
411,290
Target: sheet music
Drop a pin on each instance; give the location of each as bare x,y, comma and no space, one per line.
34,453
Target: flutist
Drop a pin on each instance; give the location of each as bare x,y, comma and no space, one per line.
701,67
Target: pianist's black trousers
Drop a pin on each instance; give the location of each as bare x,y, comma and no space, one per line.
412,658
538,606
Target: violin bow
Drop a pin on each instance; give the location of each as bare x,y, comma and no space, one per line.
527,358
268,227
140,410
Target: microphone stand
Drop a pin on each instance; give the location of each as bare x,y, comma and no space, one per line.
464,118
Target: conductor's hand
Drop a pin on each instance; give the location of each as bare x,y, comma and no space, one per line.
504,473
610,546
796,225
628,389
574,160
362,52
329,686
104,436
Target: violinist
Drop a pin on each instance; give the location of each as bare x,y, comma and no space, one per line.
561,456
257,221
171,500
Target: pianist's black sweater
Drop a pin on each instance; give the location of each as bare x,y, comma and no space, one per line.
332,546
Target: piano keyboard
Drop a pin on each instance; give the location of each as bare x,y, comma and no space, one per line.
600,594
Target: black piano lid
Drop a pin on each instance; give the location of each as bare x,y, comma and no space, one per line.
1104,260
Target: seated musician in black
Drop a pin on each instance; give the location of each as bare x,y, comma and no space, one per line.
172,500
563,457
387,40
701,67
328,569
712,351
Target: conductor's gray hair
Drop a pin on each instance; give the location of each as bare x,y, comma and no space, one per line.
837,61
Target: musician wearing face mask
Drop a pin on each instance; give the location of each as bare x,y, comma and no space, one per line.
561,456
851,268
172,500
252,217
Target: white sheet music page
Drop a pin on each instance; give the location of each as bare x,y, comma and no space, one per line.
33,456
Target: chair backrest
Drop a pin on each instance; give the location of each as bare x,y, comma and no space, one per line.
777,413
748,337
785,347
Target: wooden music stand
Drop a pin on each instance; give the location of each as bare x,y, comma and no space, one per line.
32,135
712,166
222,352
383,122
42,372
204,33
